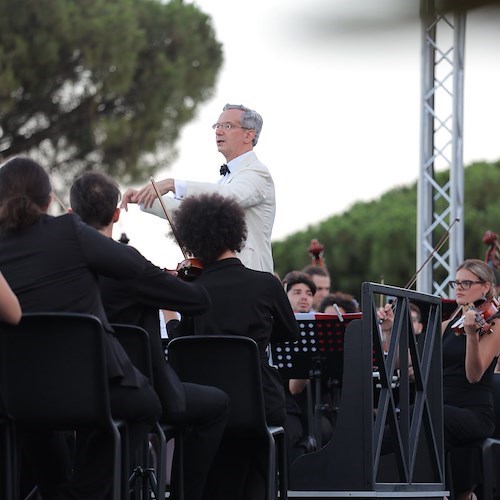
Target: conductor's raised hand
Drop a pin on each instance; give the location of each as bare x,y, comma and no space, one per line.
147,195
128,197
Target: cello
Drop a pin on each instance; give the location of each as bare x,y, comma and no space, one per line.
316,250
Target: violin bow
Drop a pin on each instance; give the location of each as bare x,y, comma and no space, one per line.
167,216
440,243
60,202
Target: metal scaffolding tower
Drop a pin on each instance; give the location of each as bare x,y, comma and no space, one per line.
440,235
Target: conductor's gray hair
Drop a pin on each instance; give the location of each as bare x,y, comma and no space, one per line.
250,119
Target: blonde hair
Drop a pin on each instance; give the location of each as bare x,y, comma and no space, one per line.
483,271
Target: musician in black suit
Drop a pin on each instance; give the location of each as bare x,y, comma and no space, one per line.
202,409
51,264
244,302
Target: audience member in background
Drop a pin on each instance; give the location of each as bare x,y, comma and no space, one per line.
202,409
386,327
10,309
300,290
469,359
322,281
345,303
52,264
244,302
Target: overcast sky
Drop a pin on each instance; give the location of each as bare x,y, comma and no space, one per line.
339,92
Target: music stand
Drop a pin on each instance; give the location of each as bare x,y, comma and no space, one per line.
318,351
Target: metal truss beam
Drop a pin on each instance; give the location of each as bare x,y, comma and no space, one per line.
440,204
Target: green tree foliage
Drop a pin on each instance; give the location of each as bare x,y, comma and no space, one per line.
105,83
376,241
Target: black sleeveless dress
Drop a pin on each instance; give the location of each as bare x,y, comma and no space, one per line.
468,411
475,399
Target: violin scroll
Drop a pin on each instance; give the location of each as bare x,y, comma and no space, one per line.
316,252
492,256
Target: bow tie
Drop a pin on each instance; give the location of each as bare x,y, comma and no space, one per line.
224,170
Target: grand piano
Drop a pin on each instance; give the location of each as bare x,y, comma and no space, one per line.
354,463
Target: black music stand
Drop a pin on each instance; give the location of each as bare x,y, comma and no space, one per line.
319,352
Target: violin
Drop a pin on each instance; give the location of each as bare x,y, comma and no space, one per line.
191,267
187,270
485,314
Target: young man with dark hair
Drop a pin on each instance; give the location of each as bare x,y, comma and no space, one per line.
203,409
244,302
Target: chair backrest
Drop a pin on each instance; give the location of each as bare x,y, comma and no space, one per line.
53,370
496,401
230,363
135,340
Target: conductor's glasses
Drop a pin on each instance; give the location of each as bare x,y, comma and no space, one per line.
226,126
464,285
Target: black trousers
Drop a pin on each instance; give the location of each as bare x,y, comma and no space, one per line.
207,410
85,472
464,426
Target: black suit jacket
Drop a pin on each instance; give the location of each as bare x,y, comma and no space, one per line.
249,303
53,266
137,302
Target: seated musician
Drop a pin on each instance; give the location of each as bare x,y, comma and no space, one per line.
301,290
203,409
322,281
244,302
470,353
51,264
337,302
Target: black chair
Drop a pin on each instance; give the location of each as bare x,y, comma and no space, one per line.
490,460
54,377
135,341
7,443
232,364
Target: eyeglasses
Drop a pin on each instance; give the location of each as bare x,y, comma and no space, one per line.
227,126
465,284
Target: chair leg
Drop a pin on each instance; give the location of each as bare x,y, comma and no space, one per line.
122,463
9,458
487,468
161,462
282,465
34,494
179,458
271,470
148,479
177,433
449,475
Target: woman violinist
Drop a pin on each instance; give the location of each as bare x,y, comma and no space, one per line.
469,358
52,264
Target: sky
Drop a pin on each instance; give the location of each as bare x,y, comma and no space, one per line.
338,86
